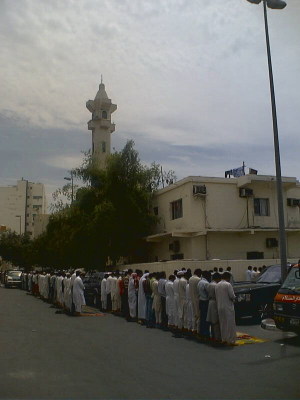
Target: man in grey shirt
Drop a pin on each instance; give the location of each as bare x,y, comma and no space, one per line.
203,303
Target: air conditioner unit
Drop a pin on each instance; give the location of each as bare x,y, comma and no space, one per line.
199,190
175,246
271,242
245,192
293,202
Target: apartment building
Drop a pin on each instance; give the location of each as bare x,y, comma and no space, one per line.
204,218
20,205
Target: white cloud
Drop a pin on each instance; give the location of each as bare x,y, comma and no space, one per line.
183,73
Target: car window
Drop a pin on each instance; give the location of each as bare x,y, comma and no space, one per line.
270,275
292,281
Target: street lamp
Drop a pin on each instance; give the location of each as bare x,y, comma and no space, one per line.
72,184
19,216
276,5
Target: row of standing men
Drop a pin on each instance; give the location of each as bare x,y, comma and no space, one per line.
201,303
63,289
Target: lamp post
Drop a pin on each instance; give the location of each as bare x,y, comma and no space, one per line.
277,5
20,217
72,184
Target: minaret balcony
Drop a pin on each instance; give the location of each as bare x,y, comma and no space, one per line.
101,123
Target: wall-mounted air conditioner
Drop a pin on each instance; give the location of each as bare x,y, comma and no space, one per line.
175,246
293,202
271,242
199,190
246,192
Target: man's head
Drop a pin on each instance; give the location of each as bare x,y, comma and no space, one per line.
206,275
250,268
198,272
226,276
228,269
172,278
216,277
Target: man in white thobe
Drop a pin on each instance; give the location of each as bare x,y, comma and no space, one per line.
181,300
103,293
170,301
132,295
225,303
142,299
194,295
176,298
78,294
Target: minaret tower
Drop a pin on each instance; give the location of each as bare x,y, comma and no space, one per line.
101,125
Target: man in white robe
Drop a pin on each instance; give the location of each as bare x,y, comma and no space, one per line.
170,301
189,310
103,293
113,292
142,299
78,294
212,313
132,295
108,292
181,300
194,294
176,298
156,305
225,303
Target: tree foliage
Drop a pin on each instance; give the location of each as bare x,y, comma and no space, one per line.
109,218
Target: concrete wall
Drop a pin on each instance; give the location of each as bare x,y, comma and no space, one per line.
238,267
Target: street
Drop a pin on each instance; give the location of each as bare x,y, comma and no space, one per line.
45,355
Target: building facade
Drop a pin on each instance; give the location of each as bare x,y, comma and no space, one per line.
20,205
204,218
100,125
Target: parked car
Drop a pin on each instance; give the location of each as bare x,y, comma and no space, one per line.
92,288
287,302
13,279
256,298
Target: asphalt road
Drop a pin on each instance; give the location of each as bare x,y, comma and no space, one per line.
52,356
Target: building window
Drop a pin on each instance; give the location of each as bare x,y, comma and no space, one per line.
155,210
103,145
37,197
176,209
36,206
104,114
262,207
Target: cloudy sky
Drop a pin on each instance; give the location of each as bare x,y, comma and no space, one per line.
189,77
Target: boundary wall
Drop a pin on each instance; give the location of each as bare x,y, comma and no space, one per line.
238,267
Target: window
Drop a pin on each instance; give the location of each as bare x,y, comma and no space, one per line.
261,207
104,114
103,145
155,210
37,197
176,209
36,206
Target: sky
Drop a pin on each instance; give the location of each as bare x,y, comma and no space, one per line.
189,77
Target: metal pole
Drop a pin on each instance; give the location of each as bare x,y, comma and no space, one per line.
282,235
72,187
20,225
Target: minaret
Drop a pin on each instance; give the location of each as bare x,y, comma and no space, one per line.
101,125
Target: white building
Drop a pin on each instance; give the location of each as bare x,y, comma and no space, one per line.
204,218
20,204
100,125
